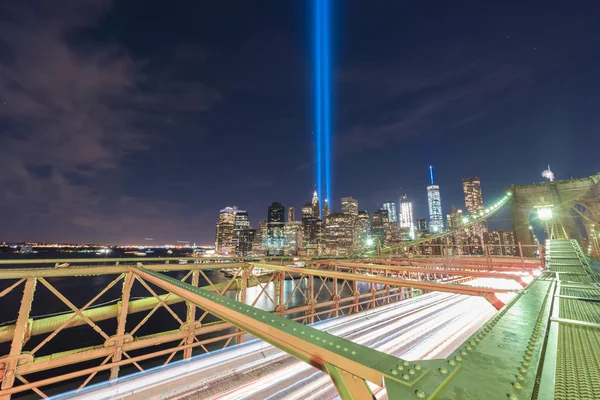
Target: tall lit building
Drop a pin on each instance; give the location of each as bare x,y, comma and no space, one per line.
293,237
349,206
474,204
339,237
473,198
315,205
460,235
307,211
436,219
291,214
242,237
363,228
326,210
245,241
260,239
390,206
312,236
224,238
406,216
275,231
421,224
380,224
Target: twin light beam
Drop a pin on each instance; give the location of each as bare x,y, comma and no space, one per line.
322,93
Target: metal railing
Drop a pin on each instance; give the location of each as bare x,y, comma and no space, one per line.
141,327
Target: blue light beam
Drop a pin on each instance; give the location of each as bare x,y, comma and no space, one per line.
322,96
318,89
327,96
431,173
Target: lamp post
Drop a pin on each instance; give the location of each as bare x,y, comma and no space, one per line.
544,213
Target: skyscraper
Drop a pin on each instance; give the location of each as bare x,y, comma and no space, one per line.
315,205
291,214
307,211
460,236
390,206
339,237
380,224
312,236
293,237
474,205
421,224
275,231
349,206
406,216
473,198
224,237
260,239
245,240
363,228
436,220
242,237
326,210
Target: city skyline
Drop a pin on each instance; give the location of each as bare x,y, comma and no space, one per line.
255,217
160,127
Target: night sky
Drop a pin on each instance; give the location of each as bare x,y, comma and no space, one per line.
132,119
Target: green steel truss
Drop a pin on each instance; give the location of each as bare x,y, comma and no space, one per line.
545,343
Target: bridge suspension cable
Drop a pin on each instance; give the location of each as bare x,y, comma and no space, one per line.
468,221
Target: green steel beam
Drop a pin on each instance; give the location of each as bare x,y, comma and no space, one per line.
304,342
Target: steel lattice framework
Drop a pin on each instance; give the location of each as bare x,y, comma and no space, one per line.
326,290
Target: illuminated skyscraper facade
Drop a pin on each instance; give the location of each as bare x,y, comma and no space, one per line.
474,205
291,214
460,236
406,216
349,206
275,232
363,228
326,210
293,237
380,223
339,237
242,235
316,208
260,239
307,211
390,206
434,201
436,222
473,198
224,238
312,236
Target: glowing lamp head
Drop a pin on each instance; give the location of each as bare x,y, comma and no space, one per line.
436,229
370,242
544,213
465,220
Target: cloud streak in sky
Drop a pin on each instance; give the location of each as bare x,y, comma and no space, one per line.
72,110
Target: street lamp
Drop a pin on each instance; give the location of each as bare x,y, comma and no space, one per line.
544,213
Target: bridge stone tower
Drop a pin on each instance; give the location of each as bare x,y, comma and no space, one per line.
565,195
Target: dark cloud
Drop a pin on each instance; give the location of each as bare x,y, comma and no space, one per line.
77,110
